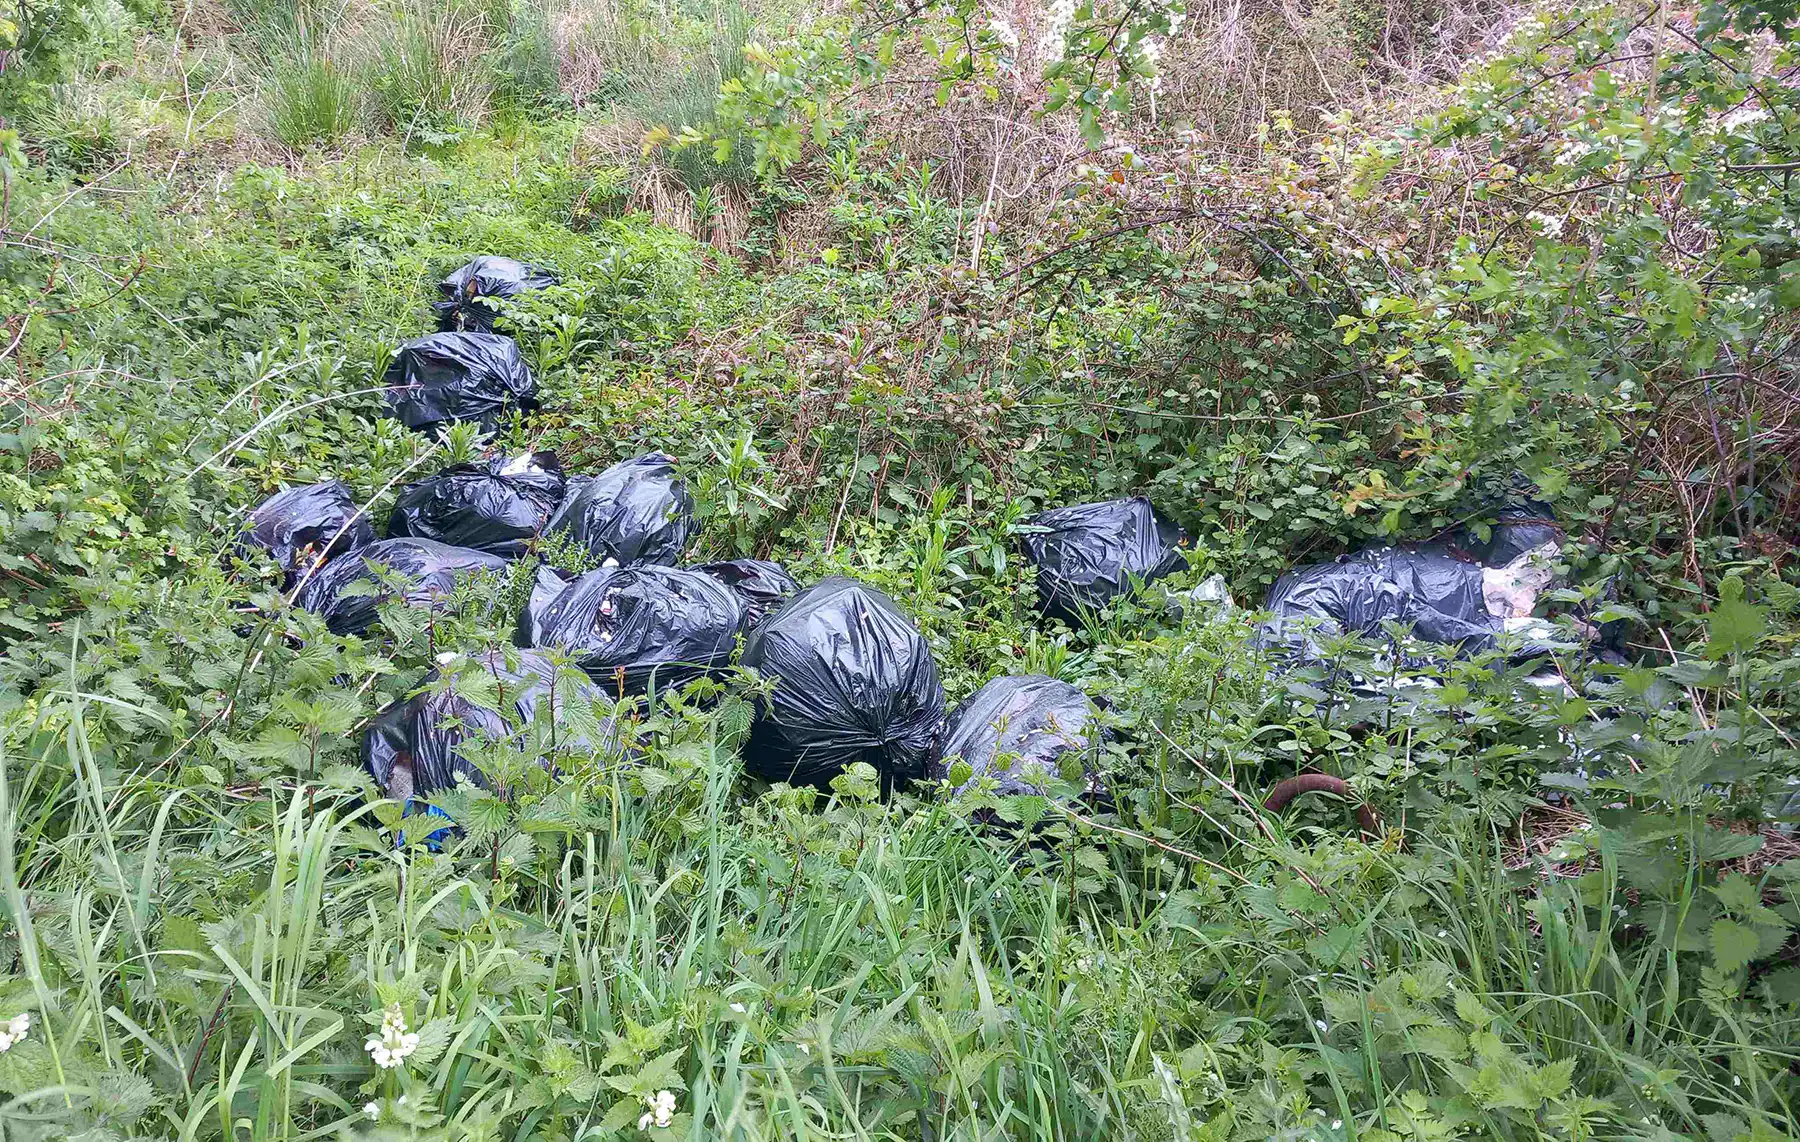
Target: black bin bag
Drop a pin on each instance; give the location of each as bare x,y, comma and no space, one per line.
448,378
303,527
1437,594
1020,730
499,505
413,748
430,569
854,681
760,585
637,511
1519,526
1090,553
546,584
485,277
632,628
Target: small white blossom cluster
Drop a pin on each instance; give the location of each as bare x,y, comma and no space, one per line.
661,1112
14,1030
394,1043
373,1109
1549,225
1571,152
1738,121
1525,29
1739,297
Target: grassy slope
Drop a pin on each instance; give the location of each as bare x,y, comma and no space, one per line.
206,933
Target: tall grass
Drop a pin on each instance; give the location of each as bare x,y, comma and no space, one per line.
426,68
311,100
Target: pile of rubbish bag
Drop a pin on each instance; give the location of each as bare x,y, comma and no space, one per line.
447,378
464,308
498,506
1088,555
1022,732
412,748
849,677
854,681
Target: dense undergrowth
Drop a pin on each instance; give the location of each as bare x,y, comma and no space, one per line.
1336,337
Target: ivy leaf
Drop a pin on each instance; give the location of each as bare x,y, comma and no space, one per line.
1734,944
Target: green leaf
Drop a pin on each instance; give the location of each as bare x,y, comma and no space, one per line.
1470,1010
1734,944
1734,626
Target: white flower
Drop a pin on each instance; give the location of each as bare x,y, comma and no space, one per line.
14,1030
1321,1025
1741,118
394,1043
1548,225
739,1008
1337,1124
1442,933
373,1110
804,1049
1057,19
661,1112
1572,152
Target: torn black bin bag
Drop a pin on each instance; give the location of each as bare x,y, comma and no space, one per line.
447,378
760,585
1019,730
430,569
1437,594
637,511
1519,526
305,526
499,505
1090,553
485,277
632,628
546,584
853,681
412,748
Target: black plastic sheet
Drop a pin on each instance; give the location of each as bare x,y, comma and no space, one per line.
632,628
486,277
762,586
413,748
854,681
305,526
498,506
1438,595
637,511
430,569
1020,730
447,378
1091,553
